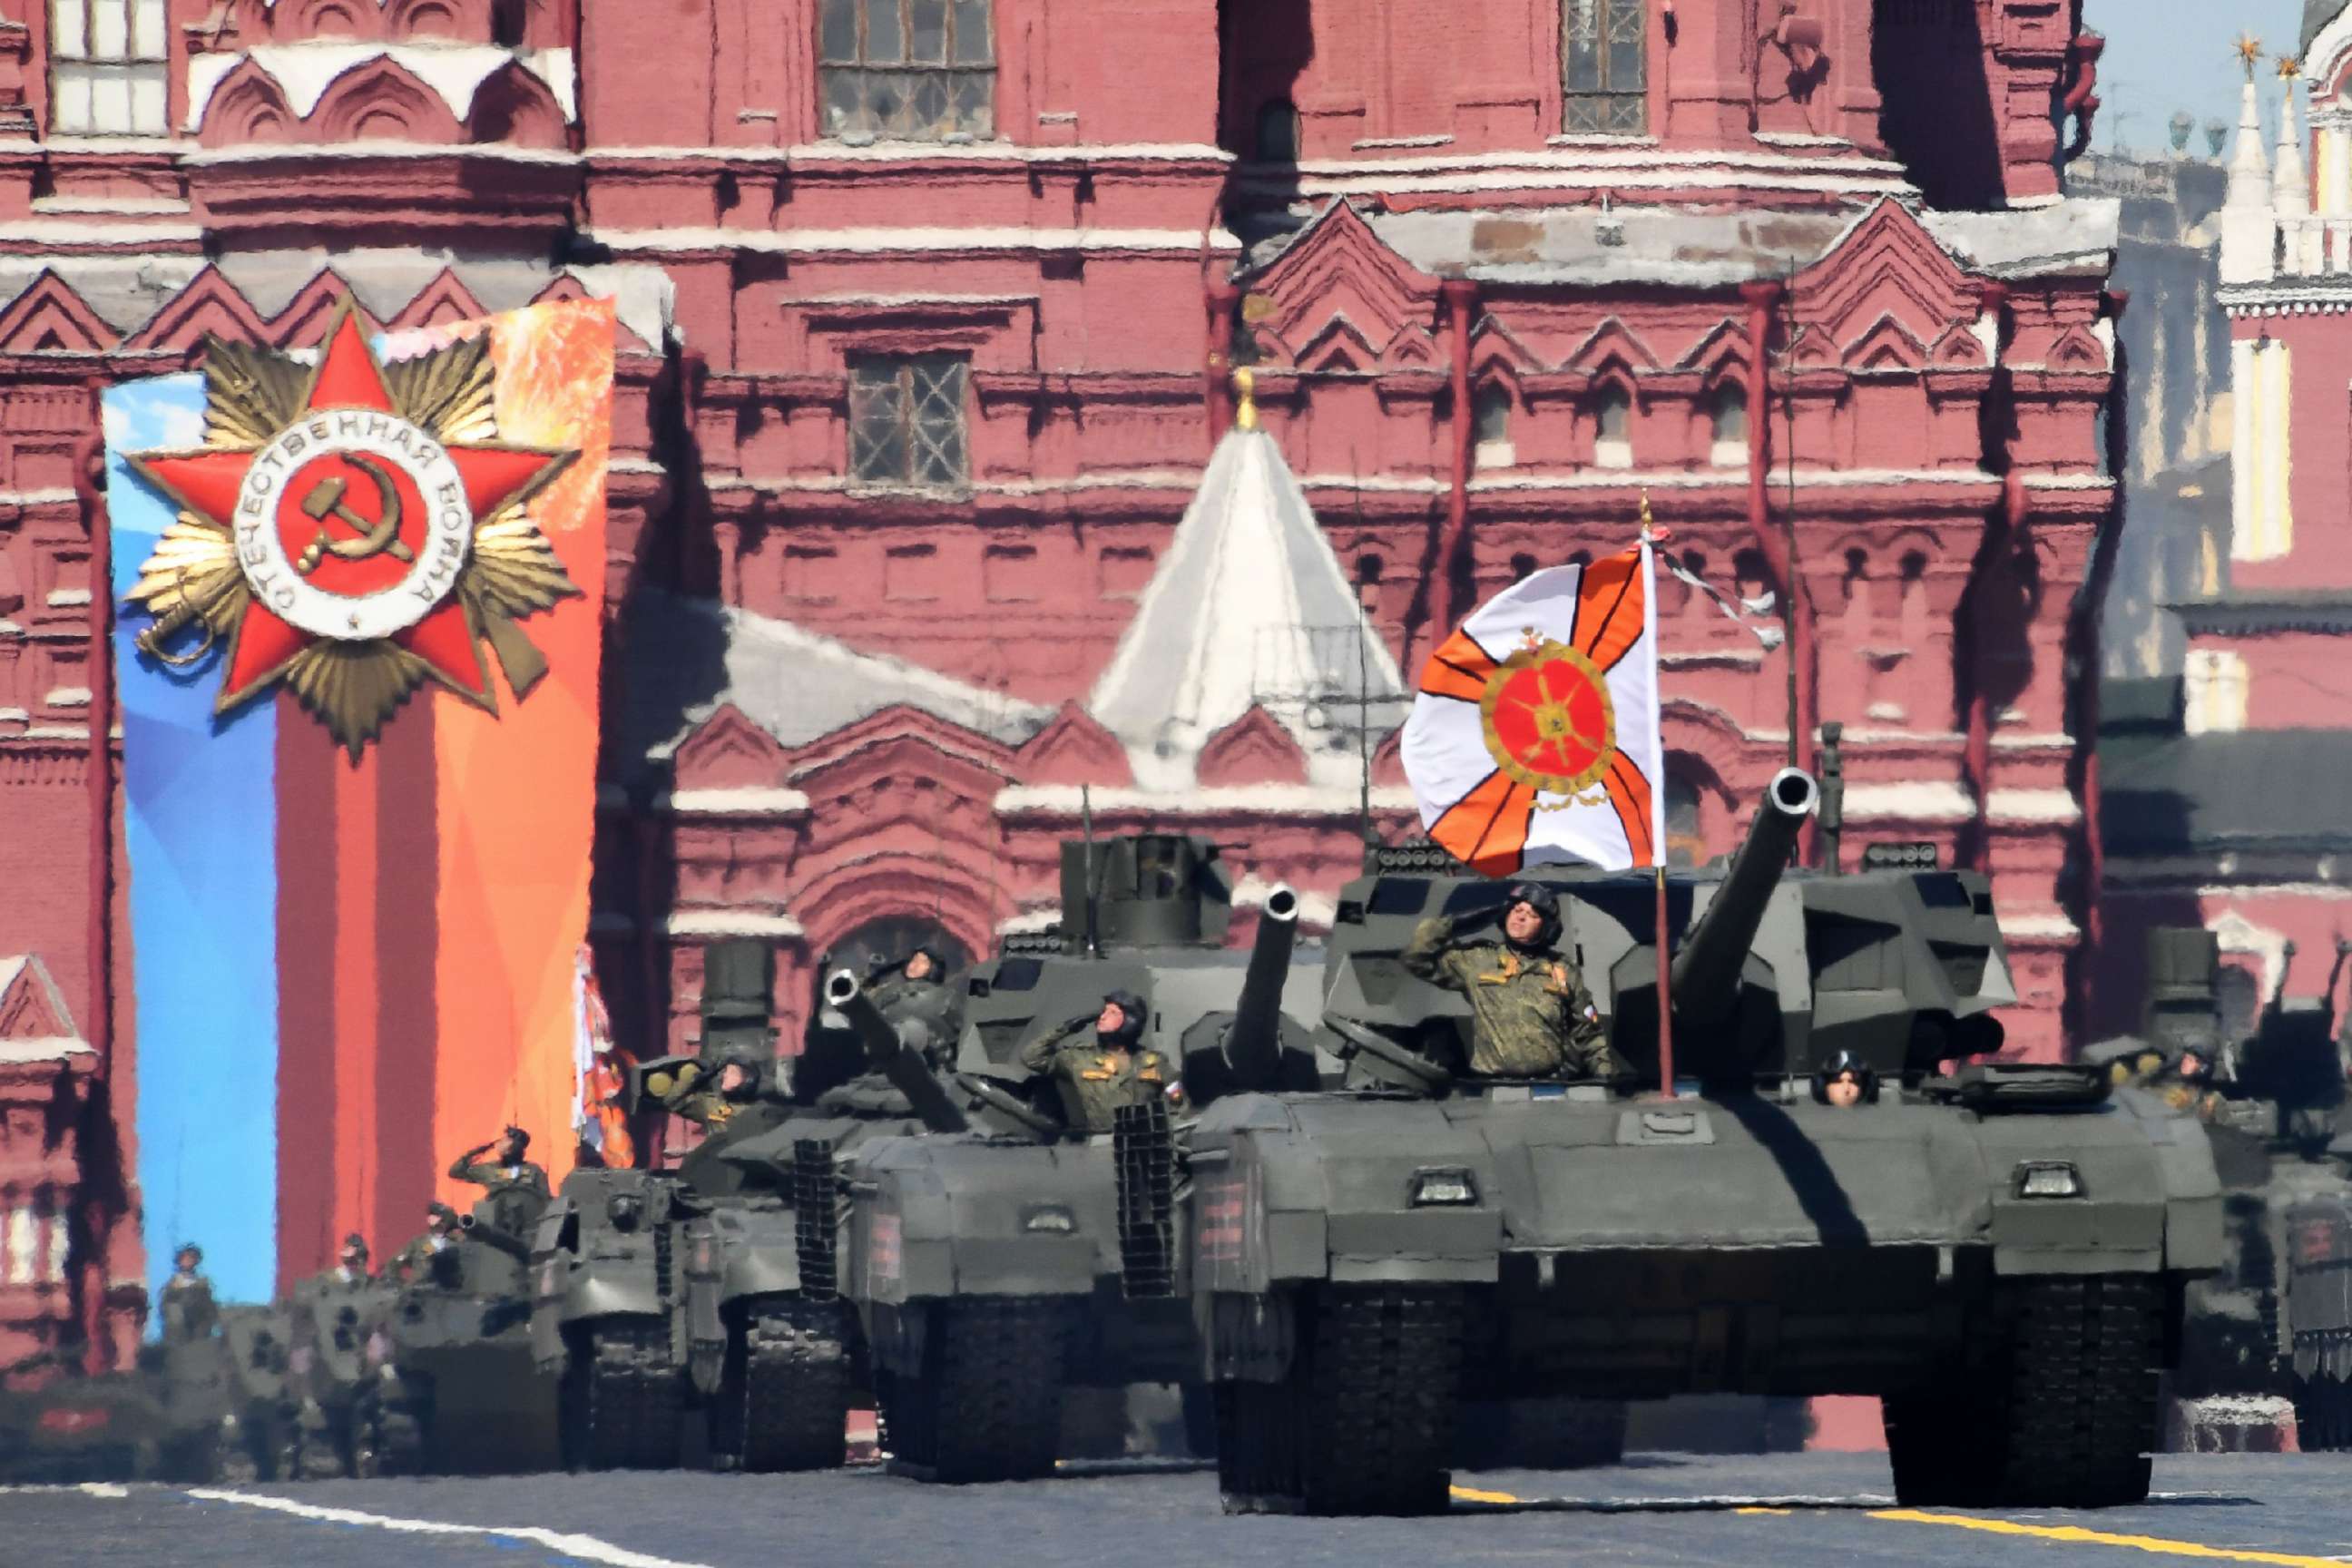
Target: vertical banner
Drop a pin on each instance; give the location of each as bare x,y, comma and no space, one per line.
360,669
200,820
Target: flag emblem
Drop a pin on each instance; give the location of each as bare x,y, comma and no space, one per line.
1533,738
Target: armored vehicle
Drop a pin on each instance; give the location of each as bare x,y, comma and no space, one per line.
712,1286
1994,1251
350,1406
471,1398
990,1272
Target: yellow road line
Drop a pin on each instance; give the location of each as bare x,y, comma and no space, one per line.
2075,1534
1761,1510
1467,1494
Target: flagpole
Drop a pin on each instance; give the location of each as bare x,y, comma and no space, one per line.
1665,996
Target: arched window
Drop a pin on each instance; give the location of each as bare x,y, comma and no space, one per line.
1603,50
1490,424
1686,844
1277,131
906,71
1727,413
1612,418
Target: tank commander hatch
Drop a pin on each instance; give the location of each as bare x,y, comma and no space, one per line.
1099,1066
1530,1015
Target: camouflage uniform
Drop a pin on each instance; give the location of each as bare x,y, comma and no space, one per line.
423,1263
1096,1077
522,1174
186,1307
933,1002
1530,1014
693,1094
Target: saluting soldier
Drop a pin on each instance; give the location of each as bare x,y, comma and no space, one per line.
508,1171
1530,1015
1098,1066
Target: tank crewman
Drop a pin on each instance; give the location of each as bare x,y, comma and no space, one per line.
351,1264
1098,1066
186,1304
709,1096
2186,1085
1530,1015
509,1170
432,1258
1846,1082
919,989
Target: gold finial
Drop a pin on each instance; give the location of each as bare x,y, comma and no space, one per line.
1245,388
2289,68
2249,51
1645,514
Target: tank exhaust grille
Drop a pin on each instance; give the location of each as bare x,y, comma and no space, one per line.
661,1262
1145,1151
816,1198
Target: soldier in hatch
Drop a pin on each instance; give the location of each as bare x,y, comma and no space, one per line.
509,1170
351,1265
1846,1082
919,990
187,1302
709,1096
432,1258
1530,1015
1098,1065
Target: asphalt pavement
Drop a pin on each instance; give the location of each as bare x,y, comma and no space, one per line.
2291,1510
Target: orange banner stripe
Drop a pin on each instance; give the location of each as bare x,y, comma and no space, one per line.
1629,792
1609,614
1487,828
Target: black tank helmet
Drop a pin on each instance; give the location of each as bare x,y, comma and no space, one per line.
1132,1011
1545,902
1845,1062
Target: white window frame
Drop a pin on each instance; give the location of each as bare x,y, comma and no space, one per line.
110,67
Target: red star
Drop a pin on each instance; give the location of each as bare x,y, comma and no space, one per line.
349,377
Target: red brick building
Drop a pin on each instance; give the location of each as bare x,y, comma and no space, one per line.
928,308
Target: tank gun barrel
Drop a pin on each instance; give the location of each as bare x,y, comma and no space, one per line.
505,1241
1705,973
1254,1040
892,1057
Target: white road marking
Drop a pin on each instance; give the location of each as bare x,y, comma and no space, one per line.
585,1548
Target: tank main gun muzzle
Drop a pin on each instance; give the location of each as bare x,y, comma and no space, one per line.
892,1057
505,1241
1253,1039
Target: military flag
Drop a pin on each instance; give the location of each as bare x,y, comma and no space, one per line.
1533,738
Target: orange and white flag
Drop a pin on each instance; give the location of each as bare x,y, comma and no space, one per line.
1533,738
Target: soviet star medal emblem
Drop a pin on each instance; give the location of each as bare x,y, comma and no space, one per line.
1548,721
353,529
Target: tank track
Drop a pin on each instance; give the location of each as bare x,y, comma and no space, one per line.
389,1440
2064,1417
784,1403
2323,1414
621,1399
987,1405
1364,1423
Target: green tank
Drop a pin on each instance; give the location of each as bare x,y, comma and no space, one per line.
711,1289
1995,1251
350,1405
995,1272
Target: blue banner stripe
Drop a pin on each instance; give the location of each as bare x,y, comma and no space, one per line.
201,817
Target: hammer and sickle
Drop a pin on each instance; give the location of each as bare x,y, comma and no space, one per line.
381,536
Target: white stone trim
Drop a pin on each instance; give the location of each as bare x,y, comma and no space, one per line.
732,922
66,696
2048,927
1237,800
1922,800
454,71
920,152
1316,910
908,241
268,152
45,1048
2334,891
2032,805
733,802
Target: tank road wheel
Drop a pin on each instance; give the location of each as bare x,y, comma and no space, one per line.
620,1398
1384,1375
2322,1413
2066,1416
783,1400
987,1405
240,1464
1200,1420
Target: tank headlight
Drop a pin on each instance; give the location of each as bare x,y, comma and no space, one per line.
625,1210
1436,1188
1050,1218
2048,1179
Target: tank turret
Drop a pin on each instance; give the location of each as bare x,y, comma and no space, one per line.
895,1059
